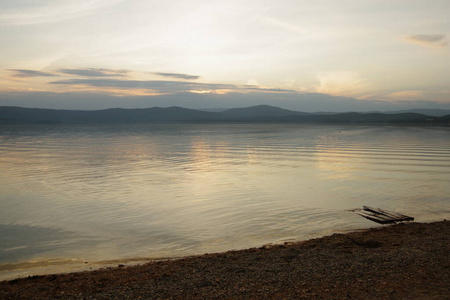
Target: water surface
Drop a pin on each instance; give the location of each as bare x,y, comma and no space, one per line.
76,194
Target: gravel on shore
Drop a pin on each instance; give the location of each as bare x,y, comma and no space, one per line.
403,261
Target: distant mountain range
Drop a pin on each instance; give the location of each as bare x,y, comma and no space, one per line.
428,112
254,114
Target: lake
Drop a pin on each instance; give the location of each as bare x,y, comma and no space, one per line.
77,197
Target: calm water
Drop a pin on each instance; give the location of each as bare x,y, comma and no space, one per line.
76,194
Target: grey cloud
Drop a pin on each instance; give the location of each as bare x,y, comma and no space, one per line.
433,40
30,73
258,89
159,85
164,86
177,75
428,38
93,72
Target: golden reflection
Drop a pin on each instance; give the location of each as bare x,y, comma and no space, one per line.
203,174
338,163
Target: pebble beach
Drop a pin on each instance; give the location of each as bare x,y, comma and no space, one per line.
402,261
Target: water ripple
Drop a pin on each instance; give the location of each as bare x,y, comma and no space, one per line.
168,190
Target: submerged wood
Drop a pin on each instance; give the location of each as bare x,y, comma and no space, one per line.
374,217
382,216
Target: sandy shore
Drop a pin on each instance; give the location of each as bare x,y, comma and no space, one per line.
404,261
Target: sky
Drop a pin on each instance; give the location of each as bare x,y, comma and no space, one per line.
323,55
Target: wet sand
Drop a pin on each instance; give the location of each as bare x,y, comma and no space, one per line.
404,261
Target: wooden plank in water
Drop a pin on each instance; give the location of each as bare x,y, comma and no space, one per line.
400,217
392,215
382,216
374,217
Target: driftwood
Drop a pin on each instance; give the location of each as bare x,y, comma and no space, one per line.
382,216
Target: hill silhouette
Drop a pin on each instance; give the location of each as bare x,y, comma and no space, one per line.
113,115
424,111
260,111
254,114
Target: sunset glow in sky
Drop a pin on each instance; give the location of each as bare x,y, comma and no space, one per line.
297,54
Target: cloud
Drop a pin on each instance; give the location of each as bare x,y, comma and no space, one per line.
41,12
253,82
161,86
406,95
254,86
166,87
92,72
414,95
29,73
286,25
262,89
427,40
341,83
177,75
